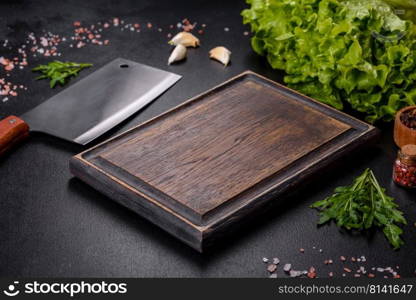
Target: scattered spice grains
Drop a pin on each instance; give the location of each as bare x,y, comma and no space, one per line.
49,44
287,267
312,272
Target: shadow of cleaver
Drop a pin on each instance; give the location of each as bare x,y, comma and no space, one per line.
92,106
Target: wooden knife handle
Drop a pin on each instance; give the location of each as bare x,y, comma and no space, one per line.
12,131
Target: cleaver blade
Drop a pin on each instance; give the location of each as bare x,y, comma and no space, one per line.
97,103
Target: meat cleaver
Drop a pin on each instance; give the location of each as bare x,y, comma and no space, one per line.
91,106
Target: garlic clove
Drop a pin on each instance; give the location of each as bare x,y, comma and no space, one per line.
177,54
220,54
185,38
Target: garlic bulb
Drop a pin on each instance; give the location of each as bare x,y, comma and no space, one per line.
220,54
177,54
185,38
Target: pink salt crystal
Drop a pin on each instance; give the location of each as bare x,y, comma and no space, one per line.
9,67
271,268
311,273
4,61
43,42
80,44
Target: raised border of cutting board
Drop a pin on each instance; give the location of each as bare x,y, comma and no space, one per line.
159,181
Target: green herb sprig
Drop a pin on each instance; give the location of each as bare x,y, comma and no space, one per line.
362,205
60,72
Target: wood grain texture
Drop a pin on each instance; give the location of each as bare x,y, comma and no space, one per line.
12,131
221,156
221,147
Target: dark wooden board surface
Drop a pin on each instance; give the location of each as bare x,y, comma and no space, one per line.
233,147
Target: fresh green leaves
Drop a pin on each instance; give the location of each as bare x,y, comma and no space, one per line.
357,52
60,72
362,205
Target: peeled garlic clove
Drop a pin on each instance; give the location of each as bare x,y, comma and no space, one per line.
221,54
177,54
185,38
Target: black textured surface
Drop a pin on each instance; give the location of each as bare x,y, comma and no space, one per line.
54,225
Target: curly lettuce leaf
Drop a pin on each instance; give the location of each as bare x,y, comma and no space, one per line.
340,51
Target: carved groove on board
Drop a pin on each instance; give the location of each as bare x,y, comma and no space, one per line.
219,157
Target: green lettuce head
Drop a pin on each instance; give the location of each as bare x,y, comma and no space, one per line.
358,52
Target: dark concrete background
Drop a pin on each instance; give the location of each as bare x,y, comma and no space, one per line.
54,225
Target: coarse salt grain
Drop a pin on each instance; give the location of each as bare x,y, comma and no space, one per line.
272,268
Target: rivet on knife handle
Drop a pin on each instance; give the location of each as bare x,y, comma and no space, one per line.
12,131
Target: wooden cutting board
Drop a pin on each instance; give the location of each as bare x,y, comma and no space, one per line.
204,166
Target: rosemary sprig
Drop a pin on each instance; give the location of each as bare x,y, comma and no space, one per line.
59,72
362,205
